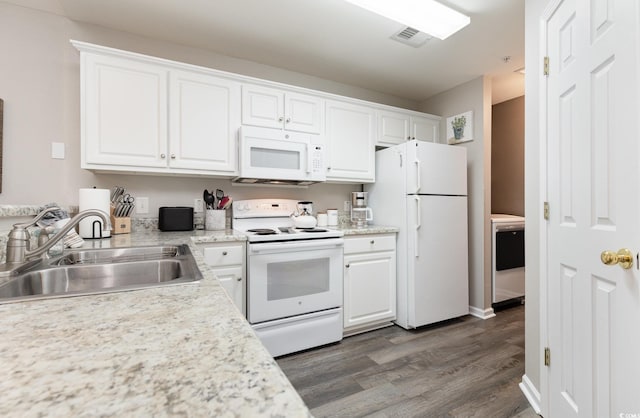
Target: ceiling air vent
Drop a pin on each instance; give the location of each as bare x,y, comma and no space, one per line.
412,37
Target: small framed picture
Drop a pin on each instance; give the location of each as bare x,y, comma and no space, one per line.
460,128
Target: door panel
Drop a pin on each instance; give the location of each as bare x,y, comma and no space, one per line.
592,184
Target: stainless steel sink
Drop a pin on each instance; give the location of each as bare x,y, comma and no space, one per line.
118,255
85,272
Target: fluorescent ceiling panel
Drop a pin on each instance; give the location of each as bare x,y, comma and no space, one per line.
427,16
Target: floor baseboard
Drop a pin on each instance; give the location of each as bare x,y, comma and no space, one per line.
531,393
481,313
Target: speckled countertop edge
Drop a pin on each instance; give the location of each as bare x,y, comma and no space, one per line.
176,350
368,230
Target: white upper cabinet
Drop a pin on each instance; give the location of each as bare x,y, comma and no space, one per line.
149,115
397,127
425,128
393,128
204,121
129,124
350,133
273,108
124,112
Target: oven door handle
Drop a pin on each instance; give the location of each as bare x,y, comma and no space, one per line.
278,247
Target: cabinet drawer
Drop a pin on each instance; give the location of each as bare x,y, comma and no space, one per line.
369,243
224,256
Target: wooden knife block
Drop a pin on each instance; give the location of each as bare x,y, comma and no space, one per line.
119,225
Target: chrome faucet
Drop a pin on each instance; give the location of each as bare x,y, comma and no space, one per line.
18,243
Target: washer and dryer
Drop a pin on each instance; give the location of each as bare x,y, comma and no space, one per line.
507,232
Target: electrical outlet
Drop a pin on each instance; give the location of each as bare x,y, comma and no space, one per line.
142,205
347,206
198,205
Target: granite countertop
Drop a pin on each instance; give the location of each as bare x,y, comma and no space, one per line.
368,230
176,350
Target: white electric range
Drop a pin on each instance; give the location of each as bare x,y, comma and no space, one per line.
294,277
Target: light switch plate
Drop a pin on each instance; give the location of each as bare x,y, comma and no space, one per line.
57,150
198,206
142,205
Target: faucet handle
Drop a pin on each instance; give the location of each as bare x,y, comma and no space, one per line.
37,218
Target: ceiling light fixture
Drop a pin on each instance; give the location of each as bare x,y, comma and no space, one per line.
427,16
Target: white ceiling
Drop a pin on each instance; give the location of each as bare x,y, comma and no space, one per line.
332,39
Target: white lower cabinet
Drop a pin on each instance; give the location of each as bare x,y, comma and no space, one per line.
227,261
369,282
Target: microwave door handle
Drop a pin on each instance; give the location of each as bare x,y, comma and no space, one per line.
309,159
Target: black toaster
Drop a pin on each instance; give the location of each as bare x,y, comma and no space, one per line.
175,218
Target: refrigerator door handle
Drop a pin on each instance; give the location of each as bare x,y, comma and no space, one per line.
417,163
418,224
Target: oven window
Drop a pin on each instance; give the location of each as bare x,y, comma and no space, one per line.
292,279
275,158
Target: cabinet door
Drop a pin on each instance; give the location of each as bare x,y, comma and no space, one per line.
302,113
262,106
124,112
393,128
231,280
204,121
369,288
425,129
350,140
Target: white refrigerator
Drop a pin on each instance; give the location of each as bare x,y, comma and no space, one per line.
421,188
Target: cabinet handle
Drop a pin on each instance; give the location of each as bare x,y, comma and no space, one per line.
224,253
408,137
239,279
280,119
413,137
348,265
288,120
173,156
372,242
163,156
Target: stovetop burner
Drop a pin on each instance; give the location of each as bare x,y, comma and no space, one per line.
262,231
269,220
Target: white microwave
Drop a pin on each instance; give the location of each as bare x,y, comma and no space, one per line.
273,156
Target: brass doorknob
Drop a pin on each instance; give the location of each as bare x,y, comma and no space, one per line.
622,257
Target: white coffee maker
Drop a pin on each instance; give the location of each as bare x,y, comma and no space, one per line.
360,213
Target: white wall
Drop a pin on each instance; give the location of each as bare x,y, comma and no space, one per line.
476,96
40,85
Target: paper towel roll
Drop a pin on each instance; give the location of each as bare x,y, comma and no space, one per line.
94,199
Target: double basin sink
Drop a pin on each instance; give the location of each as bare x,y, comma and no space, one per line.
91,271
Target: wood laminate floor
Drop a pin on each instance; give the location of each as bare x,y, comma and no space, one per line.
465,367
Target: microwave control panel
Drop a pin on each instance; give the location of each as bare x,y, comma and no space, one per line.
317,164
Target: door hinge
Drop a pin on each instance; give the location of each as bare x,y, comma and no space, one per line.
547,356
545,211
545,66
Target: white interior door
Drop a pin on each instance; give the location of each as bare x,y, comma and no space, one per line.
593,310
